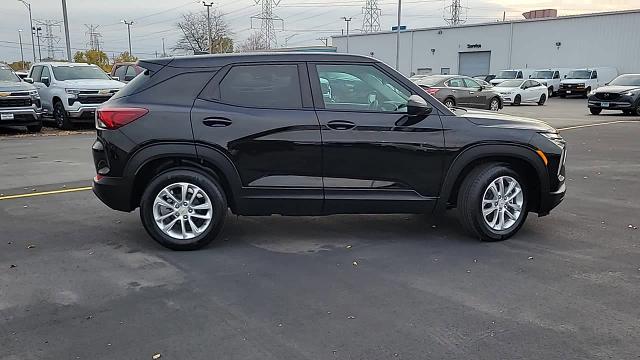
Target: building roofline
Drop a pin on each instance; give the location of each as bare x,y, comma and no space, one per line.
563,17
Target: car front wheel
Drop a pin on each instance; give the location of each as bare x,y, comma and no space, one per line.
60,116
183,209
492,202
595,111
494,105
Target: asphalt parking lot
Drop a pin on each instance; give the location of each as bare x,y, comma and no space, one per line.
80,281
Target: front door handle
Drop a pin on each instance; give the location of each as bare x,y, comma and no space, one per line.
216,122
340,125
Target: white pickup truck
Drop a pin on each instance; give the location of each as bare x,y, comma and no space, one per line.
582,81
71,92
19,101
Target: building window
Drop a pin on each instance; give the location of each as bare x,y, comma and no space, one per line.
445,71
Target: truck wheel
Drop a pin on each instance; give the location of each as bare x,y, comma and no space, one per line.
60,116
34,128
595,111
550,91
183,209
492,202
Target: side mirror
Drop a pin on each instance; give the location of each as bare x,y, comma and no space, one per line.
28,80
565,76
529,76
417,106
45,80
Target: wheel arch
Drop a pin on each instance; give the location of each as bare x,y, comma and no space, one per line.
523,159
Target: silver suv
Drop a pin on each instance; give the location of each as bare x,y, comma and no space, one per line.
71,92
19,101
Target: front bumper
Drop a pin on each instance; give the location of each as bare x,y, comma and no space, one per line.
20,116
620,103
572,90
86,112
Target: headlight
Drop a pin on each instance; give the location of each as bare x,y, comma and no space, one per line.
593,92
580,85
555,138
72,91
630,93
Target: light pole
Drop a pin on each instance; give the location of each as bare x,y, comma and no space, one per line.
33,42
66,29
208,6
286,40
398,36
128,23
21,52
347,20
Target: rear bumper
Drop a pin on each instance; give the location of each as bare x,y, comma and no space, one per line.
115,192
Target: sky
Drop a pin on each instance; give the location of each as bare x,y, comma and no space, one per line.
304,20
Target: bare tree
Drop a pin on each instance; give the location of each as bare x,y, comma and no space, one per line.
195,34
253,43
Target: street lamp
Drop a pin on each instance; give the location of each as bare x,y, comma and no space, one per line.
128,23
398,36
286,39
33,43
208,6
347,20
21,52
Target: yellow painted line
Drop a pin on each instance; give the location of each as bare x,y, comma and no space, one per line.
598,124
53,192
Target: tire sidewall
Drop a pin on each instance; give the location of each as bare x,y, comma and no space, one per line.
208,185
488,178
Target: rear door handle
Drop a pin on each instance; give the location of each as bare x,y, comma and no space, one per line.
341,125
216,122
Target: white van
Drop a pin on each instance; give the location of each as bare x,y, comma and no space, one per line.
582,81
550,77
511,74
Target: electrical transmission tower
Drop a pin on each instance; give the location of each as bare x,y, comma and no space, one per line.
94,36
50,39
267,23
455,12
371,20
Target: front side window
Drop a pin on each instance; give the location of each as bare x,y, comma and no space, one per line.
556,75
35,73
131,73
266,86
71,72
594,75
471,83
119,73
361,88
519,75
45,73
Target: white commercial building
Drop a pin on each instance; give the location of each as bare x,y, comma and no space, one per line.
588,40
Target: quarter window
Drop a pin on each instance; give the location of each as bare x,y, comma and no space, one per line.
266,86
360,88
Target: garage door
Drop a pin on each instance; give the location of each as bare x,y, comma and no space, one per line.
474,63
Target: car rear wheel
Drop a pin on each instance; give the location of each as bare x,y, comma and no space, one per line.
517,100
183,209
60,116
494,105
449,102
595,111
543,99
492,202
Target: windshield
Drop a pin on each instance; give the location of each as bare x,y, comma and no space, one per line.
579,74
510,83
8,75
428,81
626,80
507,74
542,75
63,73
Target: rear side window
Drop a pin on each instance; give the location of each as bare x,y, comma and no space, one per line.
264,86
180,89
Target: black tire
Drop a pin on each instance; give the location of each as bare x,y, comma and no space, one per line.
60,116
449,102
586,93
595,111
543,99
470,198
517,100
207,184
636,110
34,128
494,102
563,95
550,91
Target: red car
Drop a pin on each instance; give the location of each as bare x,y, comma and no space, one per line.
125,71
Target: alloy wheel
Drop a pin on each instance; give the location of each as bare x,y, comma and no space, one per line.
502,203
495,105
182,210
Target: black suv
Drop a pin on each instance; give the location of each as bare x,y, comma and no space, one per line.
311,134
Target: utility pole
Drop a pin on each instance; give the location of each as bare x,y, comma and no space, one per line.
128,23
347,20
286,39
164,53
33,42
398,35
21,52
208,6
37,30
66,29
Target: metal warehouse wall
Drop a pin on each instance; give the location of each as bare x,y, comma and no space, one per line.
608,39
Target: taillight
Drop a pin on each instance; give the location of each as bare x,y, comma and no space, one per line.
114,117
432,91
